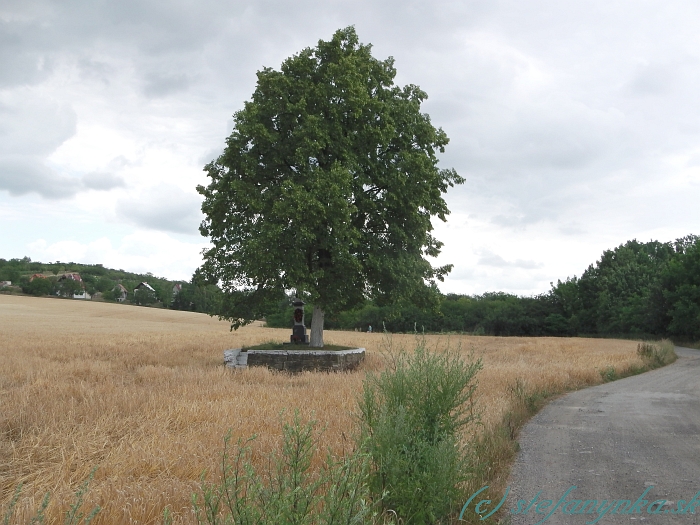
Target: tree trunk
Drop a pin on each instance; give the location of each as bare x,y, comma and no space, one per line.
317,328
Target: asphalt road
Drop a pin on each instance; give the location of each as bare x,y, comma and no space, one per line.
612,443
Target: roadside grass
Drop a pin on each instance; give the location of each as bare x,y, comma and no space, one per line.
656,355
143,393
688,344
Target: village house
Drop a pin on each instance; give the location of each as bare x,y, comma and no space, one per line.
74,276
144,285
121,293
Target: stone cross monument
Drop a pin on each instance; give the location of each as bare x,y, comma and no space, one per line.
299,329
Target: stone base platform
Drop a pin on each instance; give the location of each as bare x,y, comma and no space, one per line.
295,361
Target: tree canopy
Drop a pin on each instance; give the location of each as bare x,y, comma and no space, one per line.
326,187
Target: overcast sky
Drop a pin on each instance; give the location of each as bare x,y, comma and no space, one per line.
575,124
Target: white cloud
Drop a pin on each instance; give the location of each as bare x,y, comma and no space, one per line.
164,207
102,181
31,128
488,258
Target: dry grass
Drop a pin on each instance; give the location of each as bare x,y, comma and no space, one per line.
143,394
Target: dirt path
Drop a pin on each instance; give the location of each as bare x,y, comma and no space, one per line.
614,442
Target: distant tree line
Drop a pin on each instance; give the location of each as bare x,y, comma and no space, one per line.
96,279
636,290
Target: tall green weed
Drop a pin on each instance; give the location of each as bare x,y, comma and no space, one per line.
413,416
288,492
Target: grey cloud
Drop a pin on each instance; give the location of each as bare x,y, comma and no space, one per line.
119,162
162,85
30,130
30,125
652,80
22,59
492,259
95,70
20,175
513,221
102,181
165,207
572,229
535,95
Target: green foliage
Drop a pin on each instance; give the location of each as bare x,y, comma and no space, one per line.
104,284
327,186
39,286
112,294
413,416
194,297
288,492
609,374
637,289
74,516
12,504
199,297
492,313
9,273
144,297
681,290
615,294
68,287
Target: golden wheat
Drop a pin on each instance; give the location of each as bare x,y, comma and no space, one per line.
142,394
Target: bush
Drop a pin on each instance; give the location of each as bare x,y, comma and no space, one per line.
412,419
144,297
39,286
288,492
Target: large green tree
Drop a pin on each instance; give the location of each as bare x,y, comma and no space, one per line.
681,289
326,187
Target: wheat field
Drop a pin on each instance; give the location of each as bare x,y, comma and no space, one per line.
142,395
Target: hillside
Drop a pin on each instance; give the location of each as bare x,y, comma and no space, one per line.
70,279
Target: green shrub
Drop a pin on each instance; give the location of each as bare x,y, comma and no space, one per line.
39,286
288,492
609,374
412,419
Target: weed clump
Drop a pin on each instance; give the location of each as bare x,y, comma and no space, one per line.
412,419
656,355
288,491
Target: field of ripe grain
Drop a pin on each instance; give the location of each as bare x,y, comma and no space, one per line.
142,394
